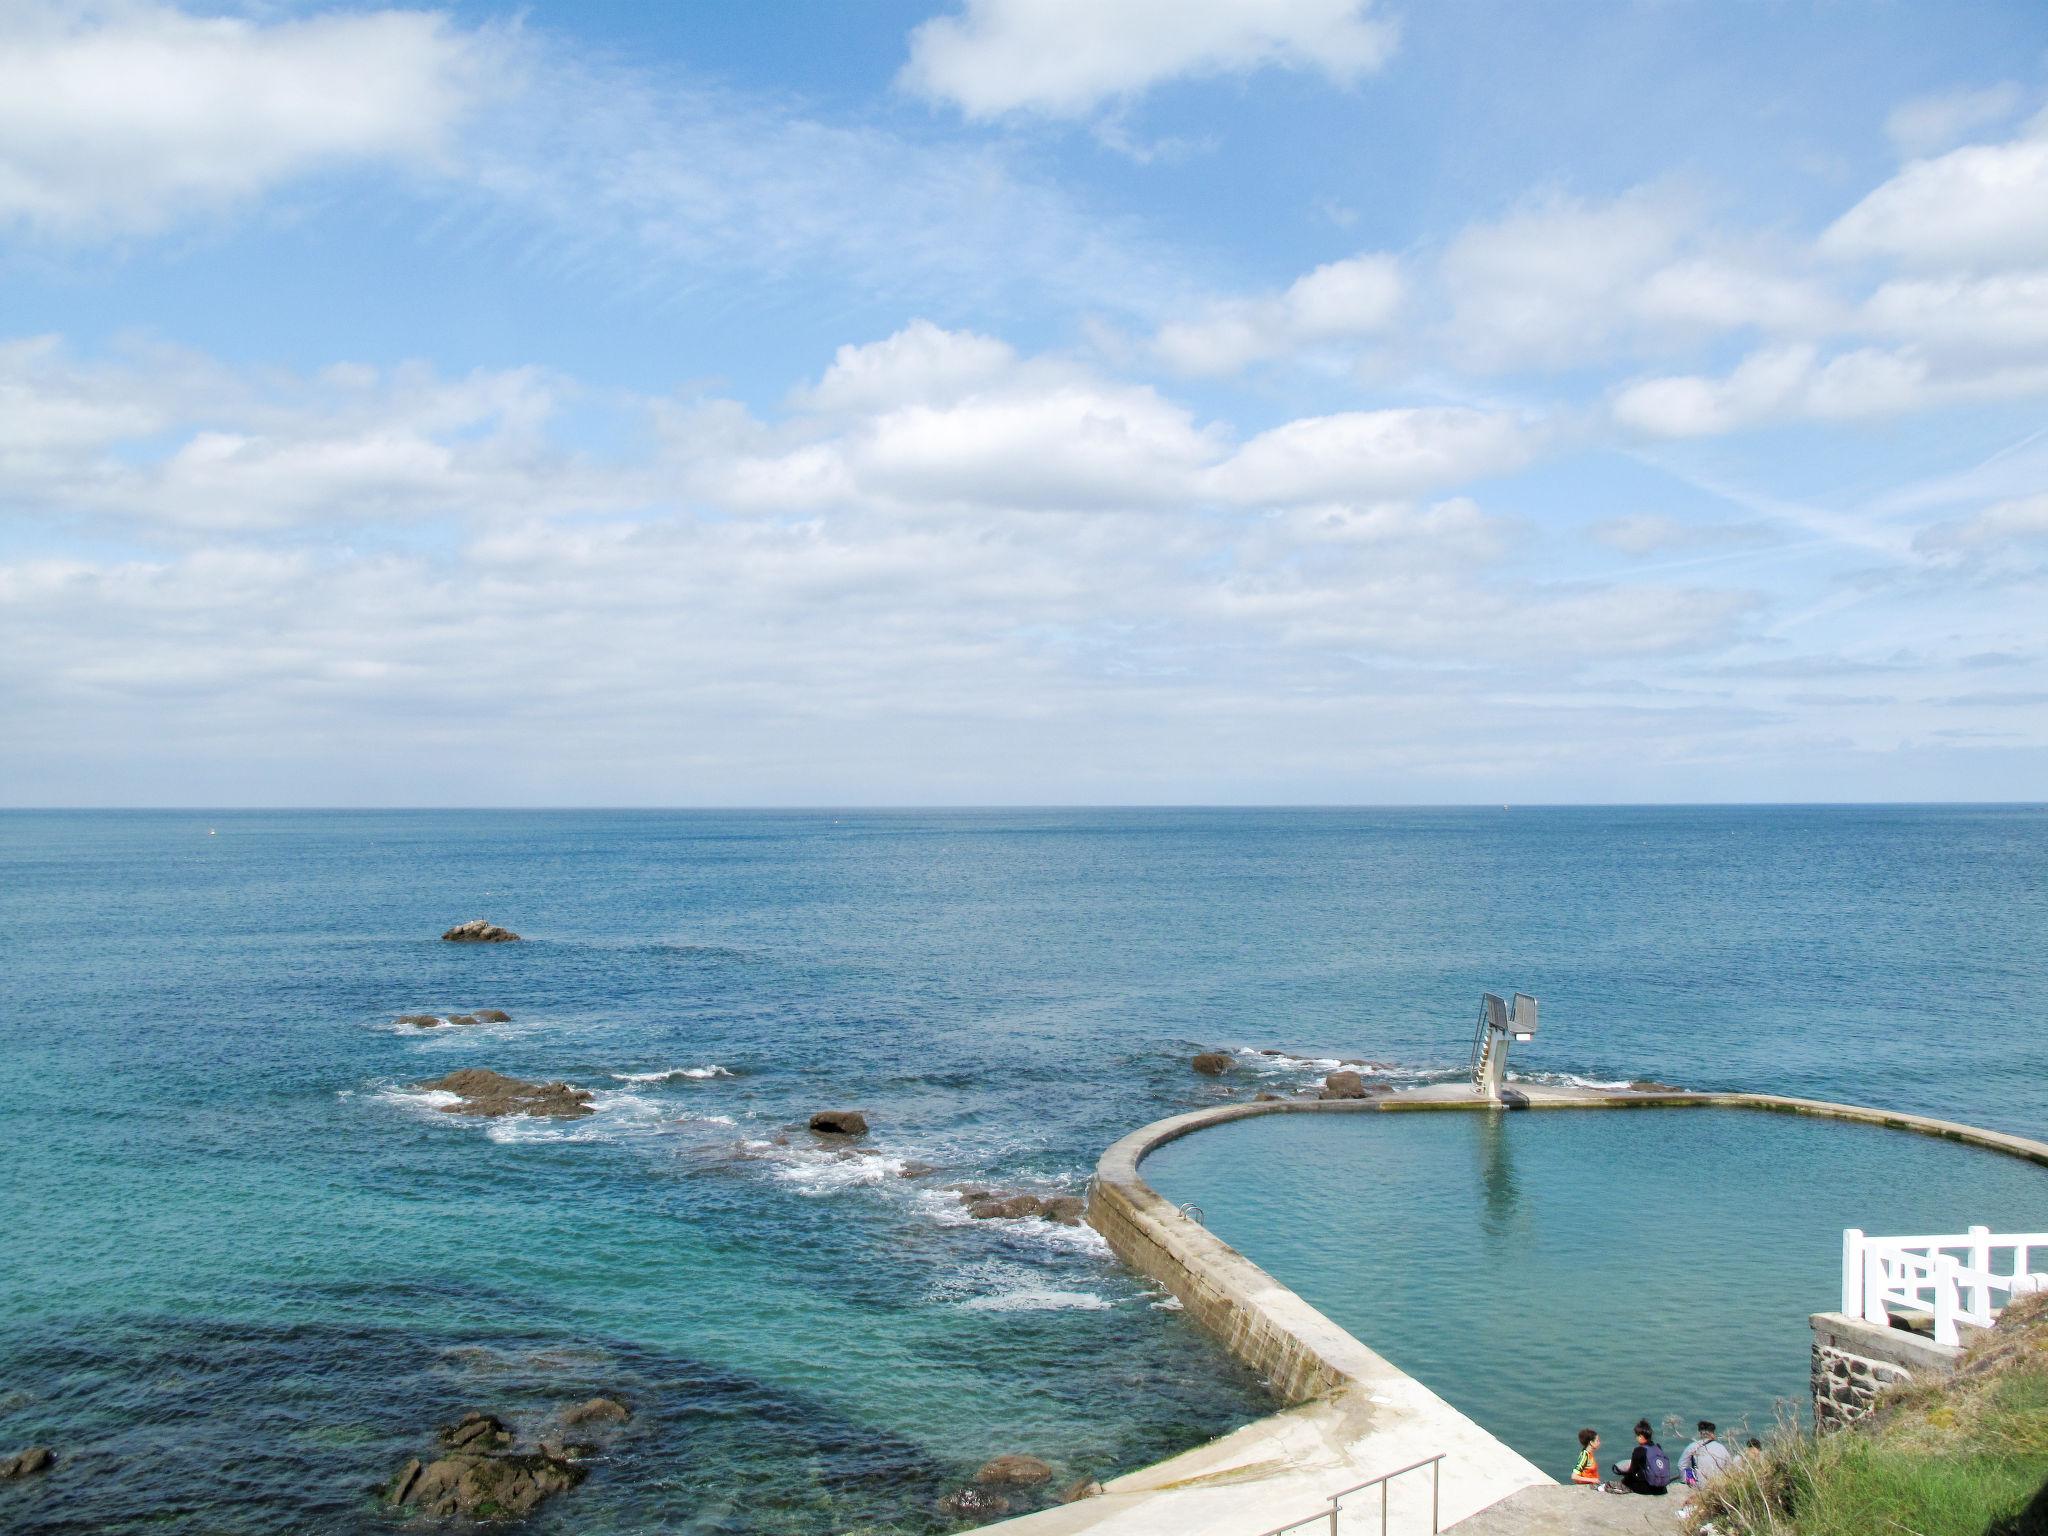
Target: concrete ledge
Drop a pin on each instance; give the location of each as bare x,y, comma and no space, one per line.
1356,1414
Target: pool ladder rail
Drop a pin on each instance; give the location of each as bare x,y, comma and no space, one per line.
1328,1518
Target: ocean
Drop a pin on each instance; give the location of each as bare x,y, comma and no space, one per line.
250,1265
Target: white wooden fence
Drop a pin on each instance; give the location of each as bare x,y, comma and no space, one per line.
1951,1278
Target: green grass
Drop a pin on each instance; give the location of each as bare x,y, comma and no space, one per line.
1967,1457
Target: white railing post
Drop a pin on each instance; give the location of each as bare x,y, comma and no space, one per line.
1980,1289
1945,1286
1852,1272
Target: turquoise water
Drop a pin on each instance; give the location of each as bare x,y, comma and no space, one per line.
246,1271
1549,1270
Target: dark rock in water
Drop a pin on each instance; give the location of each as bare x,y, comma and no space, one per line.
37,1458
599,1410
1343,1085
484,1092
916,1171
493,1016
840,1122
476,1432
1651,1085
990,1207
483,1487
477,931
462,1018
975,1504
420,1020
1262,1097
1087,1488
1211,1063
1014,1472
1067,1210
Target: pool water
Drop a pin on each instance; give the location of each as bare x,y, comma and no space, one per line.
1554,1269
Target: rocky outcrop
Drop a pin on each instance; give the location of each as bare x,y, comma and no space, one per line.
598,1410
421,1020
435,1020
477,931
1014,1471
488,1093
1651,1085
1086,1488
492,1016
1348,1085
840,1122
987,1205
37,1458
477,1475
1211,1063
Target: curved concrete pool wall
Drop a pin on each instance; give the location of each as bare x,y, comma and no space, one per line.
1356,1414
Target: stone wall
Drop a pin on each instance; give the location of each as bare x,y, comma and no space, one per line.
1853,1361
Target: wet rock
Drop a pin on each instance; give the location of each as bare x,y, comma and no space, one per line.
462,1018
1263,1097
840,1122
37,1458
1343,1085
477,931
1067,1210
420,1020
488,1093
598,1410
484,1487
476,1432
1014,1471
916,1171
1651,1085
1086,1488
1211,1063
493,1016
975,1504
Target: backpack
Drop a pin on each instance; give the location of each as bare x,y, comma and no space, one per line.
1656,1466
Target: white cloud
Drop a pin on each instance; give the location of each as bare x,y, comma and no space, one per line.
2022,519
1982,206
2004,313
1561,282
922,364
1373,454
1656,533
1927,125
1064,58
1339,301
120,115
1793,383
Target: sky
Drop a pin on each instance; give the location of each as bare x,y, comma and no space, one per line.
1022,402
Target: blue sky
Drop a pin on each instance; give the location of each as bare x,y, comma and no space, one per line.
997,401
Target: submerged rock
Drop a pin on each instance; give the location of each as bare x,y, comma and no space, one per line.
477,931
840,1122
1211,1063
484,1092
1651,1085
37,1458
1014,1471
1263,1097
421,1020
1086,1488
598,1410
975,1504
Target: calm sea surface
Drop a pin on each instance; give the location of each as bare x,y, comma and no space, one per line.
246,1270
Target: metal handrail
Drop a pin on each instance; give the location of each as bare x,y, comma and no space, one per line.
1436,1483
1190,1211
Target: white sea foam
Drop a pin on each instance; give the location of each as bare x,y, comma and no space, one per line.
616,1115
698,1073
826,1171
998,1285
1570,1080
1039,1299
1281,1064
423,1101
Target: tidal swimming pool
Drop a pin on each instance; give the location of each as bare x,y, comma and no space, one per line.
1547,1270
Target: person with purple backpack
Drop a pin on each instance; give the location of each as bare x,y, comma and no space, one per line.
1647,1470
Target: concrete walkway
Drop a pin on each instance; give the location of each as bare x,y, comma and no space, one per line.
1562,1510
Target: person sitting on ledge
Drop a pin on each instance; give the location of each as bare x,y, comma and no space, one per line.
1588,1469
1647,1470
1705,1458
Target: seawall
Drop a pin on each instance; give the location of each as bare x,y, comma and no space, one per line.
1355,1414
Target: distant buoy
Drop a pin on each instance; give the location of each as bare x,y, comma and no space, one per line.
211,833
